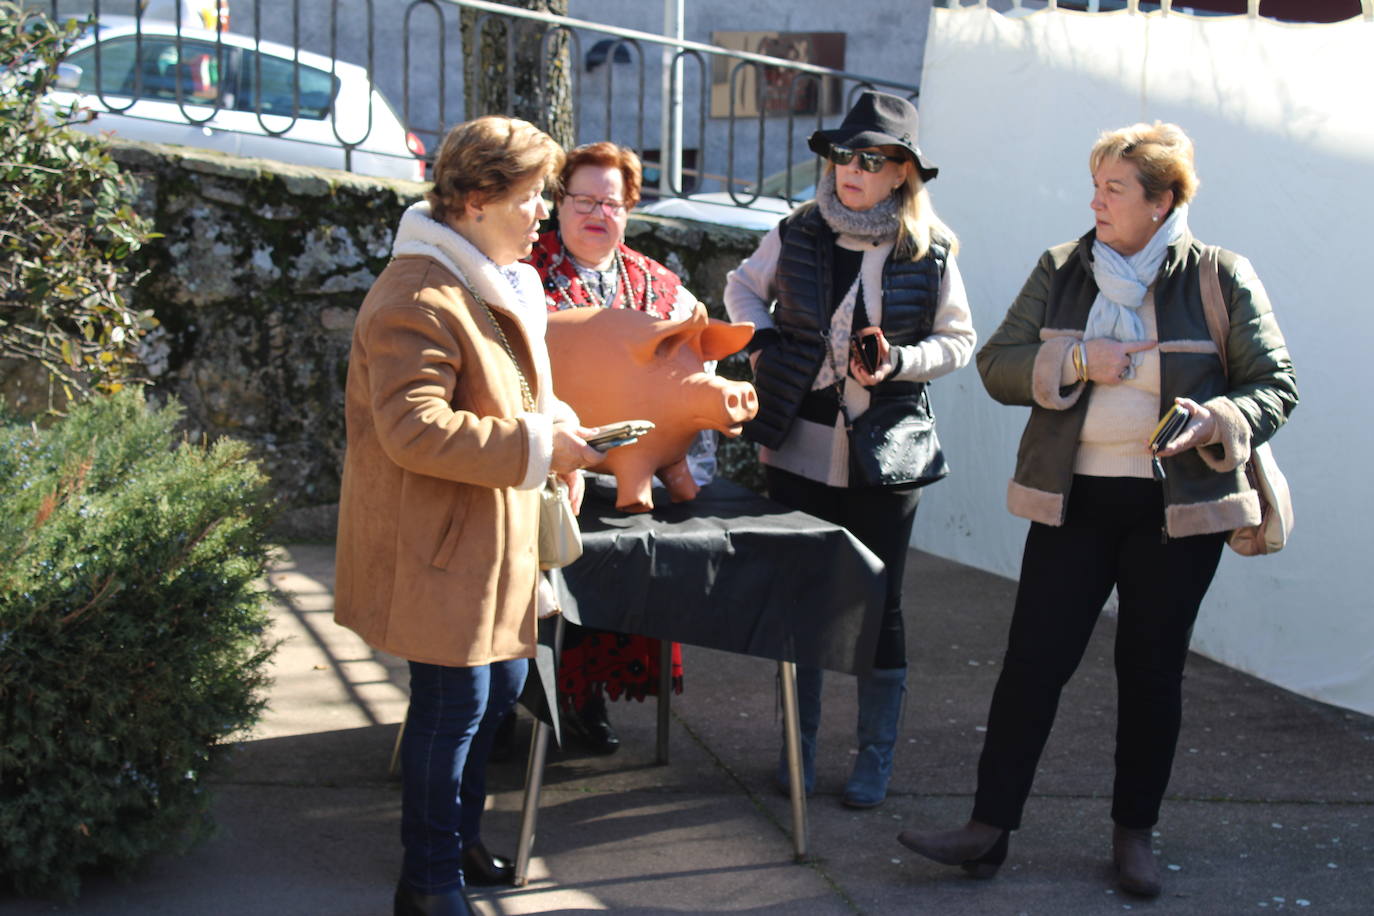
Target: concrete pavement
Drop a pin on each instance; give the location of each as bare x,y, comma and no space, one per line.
1271,807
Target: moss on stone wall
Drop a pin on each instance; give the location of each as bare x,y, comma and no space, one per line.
258,278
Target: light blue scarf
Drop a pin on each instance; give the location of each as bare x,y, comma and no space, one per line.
1123,281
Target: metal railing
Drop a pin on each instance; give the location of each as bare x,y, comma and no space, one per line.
802,79
225,42
730,149
426,65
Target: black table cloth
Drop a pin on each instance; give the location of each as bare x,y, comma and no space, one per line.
728,570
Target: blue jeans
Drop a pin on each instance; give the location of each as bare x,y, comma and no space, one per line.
454,713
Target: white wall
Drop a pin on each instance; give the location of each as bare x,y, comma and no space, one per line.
1282,121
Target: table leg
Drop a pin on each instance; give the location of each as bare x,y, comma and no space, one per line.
534,783
529,814
787,674
665,694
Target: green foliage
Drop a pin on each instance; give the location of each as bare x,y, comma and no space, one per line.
66,223
132,635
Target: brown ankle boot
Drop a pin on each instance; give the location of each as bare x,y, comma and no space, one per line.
1137,871
980,849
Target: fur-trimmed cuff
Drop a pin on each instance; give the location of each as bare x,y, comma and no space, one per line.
1237,510
539,428
1047,373
1231,447
1037,505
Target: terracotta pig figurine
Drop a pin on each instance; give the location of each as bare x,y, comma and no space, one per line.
621,364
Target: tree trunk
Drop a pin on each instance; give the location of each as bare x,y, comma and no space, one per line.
490,88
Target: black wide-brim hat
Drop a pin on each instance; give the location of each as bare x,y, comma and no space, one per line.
877,119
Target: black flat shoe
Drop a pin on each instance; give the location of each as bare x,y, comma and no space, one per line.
592,726
482,868
410,902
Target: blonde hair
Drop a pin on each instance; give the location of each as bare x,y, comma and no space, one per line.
917,223
1161,153
486,158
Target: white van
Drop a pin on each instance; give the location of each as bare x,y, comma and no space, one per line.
225,91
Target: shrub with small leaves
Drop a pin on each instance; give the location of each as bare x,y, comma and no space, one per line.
66,223
133,639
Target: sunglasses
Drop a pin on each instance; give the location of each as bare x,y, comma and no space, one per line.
869,162
585,203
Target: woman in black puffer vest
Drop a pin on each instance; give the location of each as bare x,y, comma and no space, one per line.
847,430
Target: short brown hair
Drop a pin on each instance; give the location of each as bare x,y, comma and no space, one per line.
607,155
1161,153
487,157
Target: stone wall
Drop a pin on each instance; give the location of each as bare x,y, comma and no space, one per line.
258,278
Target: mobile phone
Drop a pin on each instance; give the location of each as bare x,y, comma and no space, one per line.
1170,425
864,346
616,434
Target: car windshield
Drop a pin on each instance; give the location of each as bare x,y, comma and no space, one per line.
158,67
272,83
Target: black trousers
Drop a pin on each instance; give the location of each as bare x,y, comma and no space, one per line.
1113,536
881,518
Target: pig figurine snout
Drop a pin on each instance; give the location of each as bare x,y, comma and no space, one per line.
736,404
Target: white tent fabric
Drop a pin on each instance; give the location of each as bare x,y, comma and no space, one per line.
1283,122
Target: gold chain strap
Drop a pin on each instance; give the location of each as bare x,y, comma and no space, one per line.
526,396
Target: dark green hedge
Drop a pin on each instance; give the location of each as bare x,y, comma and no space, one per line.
132,636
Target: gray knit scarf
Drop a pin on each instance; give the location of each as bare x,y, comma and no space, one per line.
877,224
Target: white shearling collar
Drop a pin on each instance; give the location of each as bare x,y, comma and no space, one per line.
420,234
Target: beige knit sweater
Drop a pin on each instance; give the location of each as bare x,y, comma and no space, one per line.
1121,417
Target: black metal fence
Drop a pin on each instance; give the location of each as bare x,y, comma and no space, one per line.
617,83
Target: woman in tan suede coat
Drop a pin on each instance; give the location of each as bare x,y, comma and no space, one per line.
452,429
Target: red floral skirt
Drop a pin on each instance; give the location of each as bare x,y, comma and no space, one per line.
611,664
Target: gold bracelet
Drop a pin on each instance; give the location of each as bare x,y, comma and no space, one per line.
1080,362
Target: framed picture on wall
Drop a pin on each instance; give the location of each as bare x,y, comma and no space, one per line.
776,90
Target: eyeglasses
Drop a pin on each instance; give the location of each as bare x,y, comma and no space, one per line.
869,162
585,203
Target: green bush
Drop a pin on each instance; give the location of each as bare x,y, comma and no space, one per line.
132,636
66,223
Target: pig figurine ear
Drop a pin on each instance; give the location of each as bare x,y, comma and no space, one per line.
706,337
720,339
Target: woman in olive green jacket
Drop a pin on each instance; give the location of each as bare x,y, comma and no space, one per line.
1107,334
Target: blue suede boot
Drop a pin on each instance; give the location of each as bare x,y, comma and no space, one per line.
809,720
880,713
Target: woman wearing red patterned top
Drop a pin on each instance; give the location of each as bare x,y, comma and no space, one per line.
585,263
